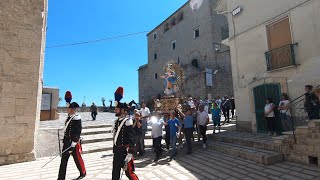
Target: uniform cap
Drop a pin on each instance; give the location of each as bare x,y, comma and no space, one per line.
74,105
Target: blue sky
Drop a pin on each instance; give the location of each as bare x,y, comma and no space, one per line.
96,70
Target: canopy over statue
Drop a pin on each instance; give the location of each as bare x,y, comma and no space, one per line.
172,79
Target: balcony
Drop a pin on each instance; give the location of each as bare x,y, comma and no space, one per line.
281,57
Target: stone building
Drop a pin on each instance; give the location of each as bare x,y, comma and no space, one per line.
49,103
191,38
22,45
274,49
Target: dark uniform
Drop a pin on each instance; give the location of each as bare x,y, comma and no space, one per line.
72,134
312,105
123,145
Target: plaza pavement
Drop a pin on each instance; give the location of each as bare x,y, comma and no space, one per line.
202,164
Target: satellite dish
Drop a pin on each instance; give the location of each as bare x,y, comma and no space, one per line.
216,71
195,4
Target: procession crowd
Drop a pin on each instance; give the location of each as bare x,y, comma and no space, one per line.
180,124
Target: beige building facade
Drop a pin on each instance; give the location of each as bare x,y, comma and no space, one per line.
22,46
188,37
275,48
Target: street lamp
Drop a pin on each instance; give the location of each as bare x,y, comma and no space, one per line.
216,47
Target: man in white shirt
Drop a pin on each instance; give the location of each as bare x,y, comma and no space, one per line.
145,113
156,123
203,121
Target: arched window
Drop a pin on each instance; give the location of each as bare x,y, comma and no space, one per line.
155,75
180,17
173,21
195,63
166,27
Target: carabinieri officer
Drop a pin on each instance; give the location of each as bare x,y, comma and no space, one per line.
71,143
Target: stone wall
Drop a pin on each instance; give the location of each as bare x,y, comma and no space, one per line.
187,49
22,45
306,145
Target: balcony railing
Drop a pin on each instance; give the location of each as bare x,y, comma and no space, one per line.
281,57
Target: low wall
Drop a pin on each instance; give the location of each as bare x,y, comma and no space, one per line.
305,147
87,109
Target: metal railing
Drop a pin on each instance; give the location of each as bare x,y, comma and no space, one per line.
298,113
281,57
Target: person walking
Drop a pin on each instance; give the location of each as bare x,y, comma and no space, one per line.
226,106
174,125
216,117
233,106
167,129
72,143
203,120
137,124
195,123
94,111
285,114
270,116
188,128
123,147
156,133
312,105
145,113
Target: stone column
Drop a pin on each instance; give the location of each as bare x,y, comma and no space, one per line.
22,45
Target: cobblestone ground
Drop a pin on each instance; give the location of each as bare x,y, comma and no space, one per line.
202,164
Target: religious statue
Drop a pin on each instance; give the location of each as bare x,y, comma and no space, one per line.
171,78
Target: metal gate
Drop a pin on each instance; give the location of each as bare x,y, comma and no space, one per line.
260,94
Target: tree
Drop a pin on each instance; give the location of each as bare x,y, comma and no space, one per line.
103,100
60,99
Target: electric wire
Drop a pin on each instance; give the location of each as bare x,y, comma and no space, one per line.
96,40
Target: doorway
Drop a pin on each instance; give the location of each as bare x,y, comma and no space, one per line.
260,94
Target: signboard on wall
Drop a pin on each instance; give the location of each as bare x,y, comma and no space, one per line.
46,102
208,77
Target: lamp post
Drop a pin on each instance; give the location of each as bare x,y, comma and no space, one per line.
217,48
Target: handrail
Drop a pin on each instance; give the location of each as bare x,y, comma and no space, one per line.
296,113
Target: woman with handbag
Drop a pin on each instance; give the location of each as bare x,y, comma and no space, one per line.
285,114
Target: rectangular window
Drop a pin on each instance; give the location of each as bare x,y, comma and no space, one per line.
281,49
196,33
173,44
155,56
279,34
154,36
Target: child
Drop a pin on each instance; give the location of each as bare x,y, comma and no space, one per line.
216,116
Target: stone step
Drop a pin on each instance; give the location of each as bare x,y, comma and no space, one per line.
262,141
96,138
97,126
105,146
250,153
98,135
100,130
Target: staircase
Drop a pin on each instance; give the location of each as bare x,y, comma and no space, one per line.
255,147
98,138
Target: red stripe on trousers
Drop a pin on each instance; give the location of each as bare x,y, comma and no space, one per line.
131,174
78,152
